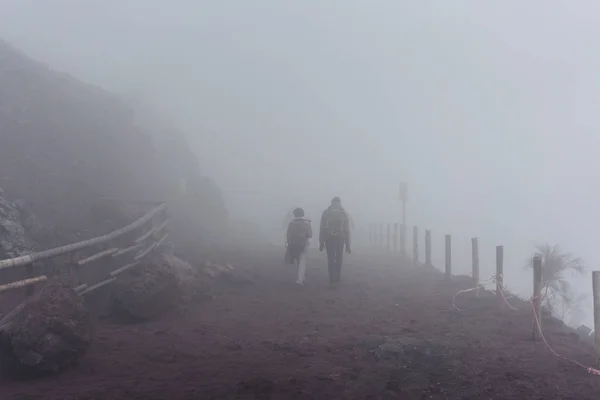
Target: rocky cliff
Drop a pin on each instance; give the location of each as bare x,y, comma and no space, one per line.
65,146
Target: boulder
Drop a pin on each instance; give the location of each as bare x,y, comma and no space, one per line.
146,291
183,269
194,286
226,274
584,331
48,332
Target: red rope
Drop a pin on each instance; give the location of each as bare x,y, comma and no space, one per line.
536,319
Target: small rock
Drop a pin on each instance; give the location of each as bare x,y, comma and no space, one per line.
373,341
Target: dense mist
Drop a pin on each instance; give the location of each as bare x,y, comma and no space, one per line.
485,109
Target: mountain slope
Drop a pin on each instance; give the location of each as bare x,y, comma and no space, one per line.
65,145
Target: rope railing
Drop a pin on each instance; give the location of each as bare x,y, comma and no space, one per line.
107,255
392,240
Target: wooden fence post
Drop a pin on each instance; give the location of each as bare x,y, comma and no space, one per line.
596,292
415,245
475,266
428,247
395,237
448,263
389,237
381,235
537,297
499,272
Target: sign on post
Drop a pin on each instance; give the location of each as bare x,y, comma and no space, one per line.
403,195
403,191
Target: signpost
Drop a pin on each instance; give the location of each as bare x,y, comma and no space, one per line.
403,196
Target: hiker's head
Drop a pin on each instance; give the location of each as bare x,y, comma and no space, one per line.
298,212
336,202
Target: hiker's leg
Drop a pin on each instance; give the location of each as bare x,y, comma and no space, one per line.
330,248
333,278
297,264
333,268
301,267
336,253
339,258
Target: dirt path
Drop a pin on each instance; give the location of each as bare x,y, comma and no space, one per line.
277,341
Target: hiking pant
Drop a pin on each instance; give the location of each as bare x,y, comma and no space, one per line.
335,250
301,267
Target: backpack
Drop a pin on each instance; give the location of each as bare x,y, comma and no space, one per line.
335,220
298,233
297,239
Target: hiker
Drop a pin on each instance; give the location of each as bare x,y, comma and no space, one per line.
299,232
334,234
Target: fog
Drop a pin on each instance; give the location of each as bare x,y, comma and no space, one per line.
486,109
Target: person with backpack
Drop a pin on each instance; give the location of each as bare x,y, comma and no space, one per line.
334,235
299,232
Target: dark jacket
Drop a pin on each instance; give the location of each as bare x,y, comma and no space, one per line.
325,231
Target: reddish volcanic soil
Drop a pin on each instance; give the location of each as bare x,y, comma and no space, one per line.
388,332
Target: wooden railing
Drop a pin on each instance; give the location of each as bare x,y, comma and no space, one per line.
94,262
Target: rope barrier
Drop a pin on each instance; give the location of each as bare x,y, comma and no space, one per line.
501,288
480,286
536,318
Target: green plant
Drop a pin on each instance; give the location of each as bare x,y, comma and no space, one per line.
558,294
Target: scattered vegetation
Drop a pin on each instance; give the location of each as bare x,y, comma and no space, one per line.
559,296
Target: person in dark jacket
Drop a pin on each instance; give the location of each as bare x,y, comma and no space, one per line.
334,235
